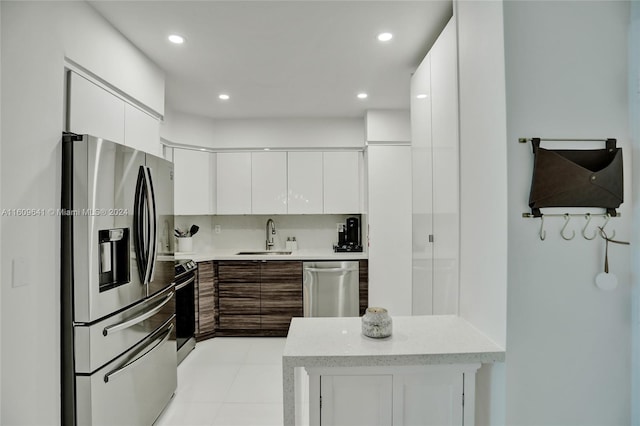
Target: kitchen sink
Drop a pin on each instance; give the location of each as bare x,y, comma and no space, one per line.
263,252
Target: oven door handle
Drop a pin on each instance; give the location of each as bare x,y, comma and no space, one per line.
133,321
186,283
114,373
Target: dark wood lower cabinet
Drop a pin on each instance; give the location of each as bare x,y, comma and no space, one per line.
206,300
254,298
238,297
258,298
281,296
364,286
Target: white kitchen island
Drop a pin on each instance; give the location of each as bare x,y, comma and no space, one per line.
426,368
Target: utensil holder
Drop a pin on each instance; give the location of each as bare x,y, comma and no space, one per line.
185,244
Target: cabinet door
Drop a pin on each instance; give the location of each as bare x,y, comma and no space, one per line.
356,400
234,183
305,182
94,111
389,223
269,182
281,294
446,183
422,196
341,180
205,303
141,131
193,177
239,295
429,399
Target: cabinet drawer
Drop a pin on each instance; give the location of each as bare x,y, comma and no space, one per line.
239,272
239,322
281,298
239,290
239,305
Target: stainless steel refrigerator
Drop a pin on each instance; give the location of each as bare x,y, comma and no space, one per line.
117,296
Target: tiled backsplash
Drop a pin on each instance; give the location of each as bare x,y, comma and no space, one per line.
247,232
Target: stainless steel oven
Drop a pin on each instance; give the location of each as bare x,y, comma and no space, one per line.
185,307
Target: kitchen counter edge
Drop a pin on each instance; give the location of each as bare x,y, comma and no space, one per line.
296,255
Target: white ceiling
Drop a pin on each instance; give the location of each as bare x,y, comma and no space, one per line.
282,58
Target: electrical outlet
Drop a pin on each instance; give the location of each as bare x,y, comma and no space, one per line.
339,226
217,229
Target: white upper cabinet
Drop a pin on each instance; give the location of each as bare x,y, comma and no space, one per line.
269,182
94,111
341,178
141,131
234,183
194,188
304,178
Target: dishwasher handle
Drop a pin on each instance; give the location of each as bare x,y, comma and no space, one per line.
330,269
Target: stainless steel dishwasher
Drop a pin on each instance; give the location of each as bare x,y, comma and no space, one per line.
331,289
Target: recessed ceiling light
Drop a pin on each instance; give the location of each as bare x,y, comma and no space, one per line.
385,36
223,96
422,96
176,39
362,96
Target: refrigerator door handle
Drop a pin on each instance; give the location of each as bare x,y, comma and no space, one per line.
138,226
153,216
133,321
155,344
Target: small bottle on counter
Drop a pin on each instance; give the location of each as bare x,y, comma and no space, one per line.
294,244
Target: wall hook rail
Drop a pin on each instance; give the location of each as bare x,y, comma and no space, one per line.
542,233
567,218
608,217
584,230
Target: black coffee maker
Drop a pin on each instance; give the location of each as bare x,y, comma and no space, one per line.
349,239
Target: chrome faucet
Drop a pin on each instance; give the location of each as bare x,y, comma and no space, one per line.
271,231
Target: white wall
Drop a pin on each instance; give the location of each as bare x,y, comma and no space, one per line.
36,37
634,118
247,232
483,188
325,133
1,205
392,126
568,343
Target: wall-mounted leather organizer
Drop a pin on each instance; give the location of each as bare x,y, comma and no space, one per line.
576,178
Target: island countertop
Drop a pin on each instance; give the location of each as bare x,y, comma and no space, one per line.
415,340
430,339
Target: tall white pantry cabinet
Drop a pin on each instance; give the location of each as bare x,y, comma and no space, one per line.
436,183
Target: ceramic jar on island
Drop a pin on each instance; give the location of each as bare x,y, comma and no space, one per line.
376,323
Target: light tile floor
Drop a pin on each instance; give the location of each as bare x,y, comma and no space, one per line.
229,381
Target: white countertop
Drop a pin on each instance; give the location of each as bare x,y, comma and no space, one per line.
308,254
432,339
